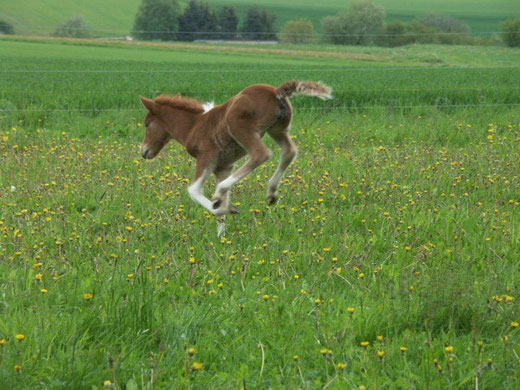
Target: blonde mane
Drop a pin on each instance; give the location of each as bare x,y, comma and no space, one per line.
181,103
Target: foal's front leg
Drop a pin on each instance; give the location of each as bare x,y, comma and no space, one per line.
205,167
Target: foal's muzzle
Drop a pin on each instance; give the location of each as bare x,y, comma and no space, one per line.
145,153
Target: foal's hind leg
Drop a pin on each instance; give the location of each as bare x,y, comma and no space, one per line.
251,141
288,155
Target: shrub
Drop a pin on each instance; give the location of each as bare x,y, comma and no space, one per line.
510,29
420,33
74,27
397,33
450,31
297,31
157,19
6,28
359,25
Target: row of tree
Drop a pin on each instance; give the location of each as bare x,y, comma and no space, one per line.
363,23
163,20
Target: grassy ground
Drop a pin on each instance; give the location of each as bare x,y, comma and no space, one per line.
390,261
117,17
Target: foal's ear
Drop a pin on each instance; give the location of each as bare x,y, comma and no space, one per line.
149,104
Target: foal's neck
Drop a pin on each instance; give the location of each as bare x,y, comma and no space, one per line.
182,123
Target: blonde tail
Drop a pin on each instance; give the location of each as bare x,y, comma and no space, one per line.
308,88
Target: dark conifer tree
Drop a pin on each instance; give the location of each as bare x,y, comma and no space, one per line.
227,21
197,22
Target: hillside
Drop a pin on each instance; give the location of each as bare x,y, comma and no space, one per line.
116,17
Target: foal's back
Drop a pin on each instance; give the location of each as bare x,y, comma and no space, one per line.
256,109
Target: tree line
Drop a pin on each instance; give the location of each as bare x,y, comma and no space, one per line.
363,23
163,20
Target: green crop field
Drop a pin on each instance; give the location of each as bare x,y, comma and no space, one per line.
389,262
110,18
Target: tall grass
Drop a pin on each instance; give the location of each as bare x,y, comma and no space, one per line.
390,261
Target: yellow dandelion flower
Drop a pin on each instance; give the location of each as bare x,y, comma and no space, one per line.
380,354
20,337
295,357
350,310
325,351
265,297
18,368
449,349
3,342
191,351
403,349
342,365
197,366
43,291
87,296
365,344
107,383
38,276
514,324
379,338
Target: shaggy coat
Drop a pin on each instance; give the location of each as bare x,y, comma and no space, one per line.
221,136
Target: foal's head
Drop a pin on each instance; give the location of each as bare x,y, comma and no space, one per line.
156,135
168,117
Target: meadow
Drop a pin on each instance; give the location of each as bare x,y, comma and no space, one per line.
116,18
389,262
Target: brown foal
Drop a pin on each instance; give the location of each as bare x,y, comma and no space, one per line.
219,137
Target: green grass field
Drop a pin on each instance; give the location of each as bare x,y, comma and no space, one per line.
390,261
117,17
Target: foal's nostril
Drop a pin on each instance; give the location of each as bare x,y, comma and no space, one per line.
144,153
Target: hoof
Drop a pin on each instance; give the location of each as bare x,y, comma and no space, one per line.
271,199
217,203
